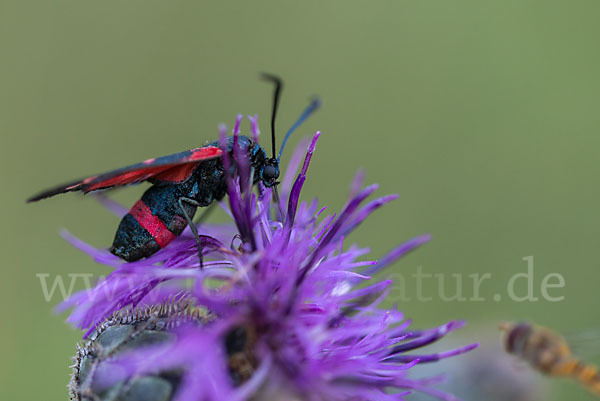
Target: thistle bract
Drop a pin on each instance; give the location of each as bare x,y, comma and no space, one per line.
125,331
294,312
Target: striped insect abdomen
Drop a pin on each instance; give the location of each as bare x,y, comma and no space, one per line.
151,224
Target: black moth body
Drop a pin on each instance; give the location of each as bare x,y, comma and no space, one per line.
160,215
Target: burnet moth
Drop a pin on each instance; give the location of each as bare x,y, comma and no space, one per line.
181,183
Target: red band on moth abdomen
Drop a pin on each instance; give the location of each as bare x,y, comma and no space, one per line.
157,229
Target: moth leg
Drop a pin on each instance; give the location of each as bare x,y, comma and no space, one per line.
190,223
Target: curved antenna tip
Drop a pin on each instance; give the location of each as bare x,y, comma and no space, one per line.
315,103
267,76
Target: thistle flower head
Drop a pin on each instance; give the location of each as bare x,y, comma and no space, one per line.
294,309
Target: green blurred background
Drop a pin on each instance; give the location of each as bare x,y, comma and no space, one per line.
482,115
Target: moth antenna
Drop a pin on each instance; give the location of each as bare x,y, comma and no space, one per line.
311,108
278,86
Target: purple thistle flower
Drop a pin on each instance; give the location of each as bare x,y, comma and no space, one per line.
293,308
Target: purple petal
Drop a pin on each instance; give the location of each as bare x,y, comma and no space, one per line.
398,253
254,127
238,121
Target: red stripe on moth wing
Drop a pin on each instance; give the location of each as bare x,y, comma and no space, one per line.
205,153
128,178
177,174
89,179
73,187
182,172
177,171
157,229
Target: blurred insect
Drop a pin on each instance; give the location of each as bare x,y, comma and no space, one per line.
182,182
239,347
549,353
